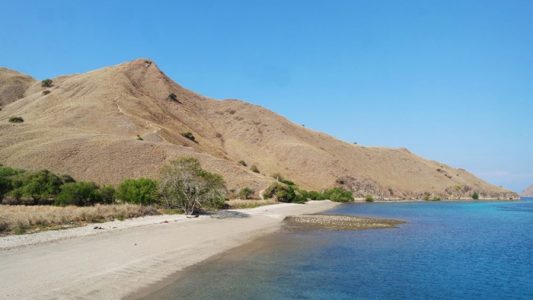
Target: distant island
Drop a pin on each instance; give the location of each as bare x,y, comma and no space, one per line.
528,192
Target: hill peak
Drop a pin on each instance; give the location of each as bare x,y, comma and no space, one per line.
13,85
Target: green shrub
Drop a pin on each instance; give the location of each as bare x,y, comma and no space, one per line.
139,191
107,193
16,120
67,179
173,97
185,185
40,185
338,194
475,196
79,194
190,136
7,171
243,163
246,193
282,192
47,83
5,187
282,179
139,138
314,195
369,198
254,169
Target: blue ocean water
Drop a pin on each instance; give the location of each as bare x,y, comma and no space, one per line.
447,250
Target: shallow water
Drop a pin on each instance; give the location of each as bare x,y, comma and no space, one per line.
447,250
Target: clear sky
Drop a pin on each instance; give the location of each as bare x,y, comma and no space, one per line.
450,80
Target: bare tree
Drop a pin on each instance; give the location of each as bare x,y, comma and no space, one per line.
185,185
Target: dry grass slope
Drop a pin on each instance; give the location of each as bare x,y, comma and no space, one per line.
88,126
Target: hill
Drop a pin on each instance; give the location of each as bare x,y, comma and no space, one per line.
130,119
528,192
13,85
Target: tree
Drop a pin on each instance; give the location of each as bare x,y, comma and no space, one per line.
5,187
41,185
108,194
280,191
246,193
475,196
8,180
47,83
185,185
138,191
172,97
338,195
79,194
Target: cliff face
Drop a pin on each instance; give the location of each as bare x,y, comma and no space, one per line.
88,125
528,192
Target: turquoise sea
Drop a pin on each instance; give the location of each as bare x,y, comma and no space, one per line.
446,250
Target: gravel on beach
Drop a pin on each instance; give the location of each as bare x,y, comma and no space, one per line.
337,222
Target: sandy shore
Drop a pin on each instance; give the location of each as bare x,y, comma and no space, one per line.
115,263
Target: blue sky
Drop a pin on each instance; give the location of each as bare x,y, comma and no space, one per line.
450,80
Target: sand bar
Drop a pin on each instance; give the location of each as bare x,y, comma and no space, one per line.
116,263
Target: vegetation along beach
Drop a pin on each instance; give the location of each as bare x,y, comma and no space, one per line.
266,150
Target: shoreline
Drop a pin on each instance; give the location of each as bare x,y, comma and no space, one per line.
121,263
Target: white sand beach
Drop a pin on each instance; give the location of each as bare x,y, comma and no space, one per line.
119,260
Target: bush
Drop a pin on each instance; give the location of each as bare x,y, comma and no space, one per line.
190,136
185,185
369,198
40,185
314,195
79,194
173,97
107,193
282,192
475,196
338,195
47,83
16,120
139,138
5,187
66,179
243,163
45,92
246,193
7,171
282,179
254,169
139,191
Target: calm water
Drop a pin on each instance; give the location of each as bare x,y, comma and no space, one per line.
447,250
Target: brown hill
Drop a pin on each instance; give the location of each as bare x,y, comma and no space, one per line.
88,125
528,192
13,85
